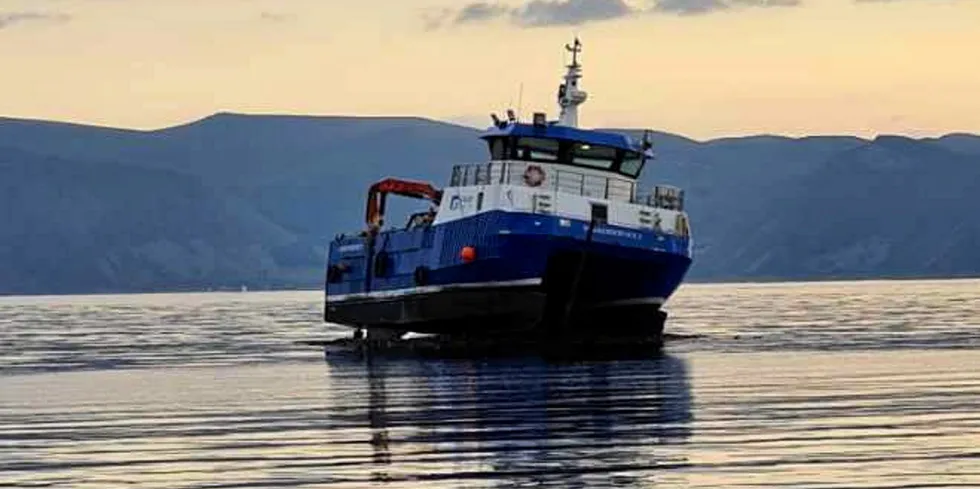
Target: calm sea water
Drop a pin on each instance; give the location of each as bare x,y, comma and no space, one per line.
872,384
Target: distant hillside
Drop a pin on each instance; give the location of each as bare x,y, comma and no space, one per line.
73,226
893,207
235,199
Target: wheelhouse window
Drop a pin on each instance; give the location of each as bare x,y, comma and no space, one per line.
538,149
593,156
632,164
624,162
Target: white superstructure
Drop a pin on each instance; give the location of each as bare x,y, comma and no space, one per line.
547,168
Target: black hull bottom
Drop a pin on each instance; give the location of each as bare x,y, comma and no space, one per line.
520,314
458,311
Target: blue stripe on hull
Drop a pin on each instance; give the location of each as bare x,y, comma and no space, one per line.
623,263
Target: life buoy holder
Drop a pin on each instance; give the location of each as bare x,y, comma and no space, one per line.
533,176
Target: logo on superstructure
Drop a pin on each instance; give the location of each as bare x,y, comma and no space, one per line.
533,176
458,202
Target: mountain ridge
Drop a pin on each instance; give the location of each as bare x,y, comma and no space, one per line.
232,199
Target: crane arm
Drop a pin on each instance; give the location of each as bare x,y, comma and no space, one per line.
378,193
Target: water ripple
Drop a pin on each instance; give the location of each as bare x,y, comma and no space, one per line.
822,419
133,331
866,385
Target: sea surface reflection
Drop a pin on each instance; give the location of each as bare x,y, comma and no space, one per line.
513,423
831,385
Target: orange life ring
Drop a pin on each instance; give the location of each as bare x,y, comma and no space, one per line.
533,176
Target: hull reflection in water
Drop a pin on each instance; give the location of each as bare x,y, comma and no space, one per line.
523,421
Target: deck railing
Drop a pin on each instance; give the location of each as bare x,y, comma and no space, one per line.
558,179
569,181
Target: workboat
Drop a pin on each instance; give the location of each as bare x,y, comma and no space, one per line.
552,237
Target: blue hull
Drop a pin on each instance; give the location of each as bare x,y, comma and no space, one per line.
407,278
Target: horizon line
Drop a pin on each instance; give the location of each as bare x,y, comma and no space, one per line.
457,123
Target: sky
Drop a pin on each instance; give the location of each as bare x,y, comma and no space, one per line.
700,68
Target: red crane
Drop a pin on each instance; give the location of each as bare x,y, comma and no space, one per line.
378,194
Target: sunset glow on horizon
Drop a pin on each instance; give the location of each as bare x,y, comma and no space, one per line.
701,68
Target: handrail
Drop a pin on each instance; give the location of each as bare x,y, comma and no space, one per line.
568,181
563,180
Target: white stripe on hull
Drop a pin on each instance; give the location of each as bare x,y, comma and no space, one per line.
637,301
429,289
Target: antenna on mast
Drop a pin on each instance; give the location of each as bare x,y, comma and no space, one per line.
520,100
574,49
569,95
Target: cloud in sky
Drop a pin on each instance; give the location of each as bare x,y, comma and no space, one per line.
479,11
275,17
688,7
8,19
543,13
695,7
536,13
569,12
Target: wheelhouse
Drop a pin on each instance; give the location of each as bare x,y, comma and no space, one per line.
567,146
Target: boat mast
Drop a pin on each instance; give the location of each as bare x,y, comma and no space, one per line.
569,95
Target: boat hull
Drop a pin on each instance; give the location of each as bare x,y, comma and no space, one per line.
498,312
539,276
445,310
